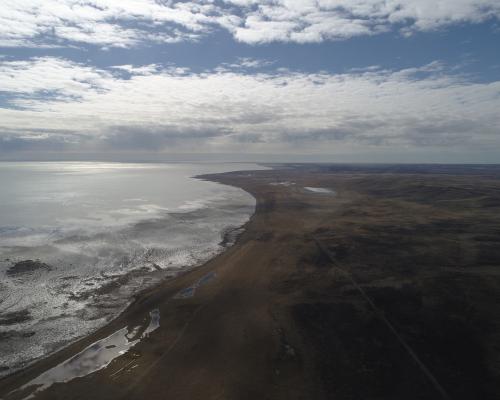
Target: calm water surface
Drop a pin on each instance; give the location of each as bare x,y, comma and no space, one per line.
99,232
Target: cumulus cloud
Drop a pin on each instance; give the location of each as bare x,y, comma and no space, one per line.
61,105
128,23
317,20
37,80
113,23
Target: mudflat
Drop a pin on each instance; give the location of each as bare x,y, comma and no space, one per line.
349,282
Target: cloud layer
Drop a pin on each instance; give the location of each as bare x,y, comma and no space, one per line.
130,23
66,106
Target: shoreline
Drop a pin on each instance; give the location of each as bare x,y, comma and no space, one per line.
143,299
272,317
57,302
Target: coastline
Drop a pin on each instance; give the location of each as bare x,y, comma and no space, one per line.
94,259
273,318
138,304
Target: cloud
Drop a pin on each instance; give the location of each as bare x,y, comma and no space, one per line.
112,23
35,81
140,70
248,62
245,64
129,23
155,138
59,104
315,21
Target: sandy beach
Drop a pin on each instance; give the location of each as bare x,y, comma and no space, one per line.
274,318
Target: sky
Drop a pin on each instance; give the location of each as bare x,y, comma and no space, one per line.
252,80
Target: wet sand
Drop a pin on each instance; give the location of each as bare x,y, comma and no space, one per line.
274,318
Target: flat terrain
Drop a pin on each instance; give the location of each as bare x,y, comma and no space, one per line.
334,294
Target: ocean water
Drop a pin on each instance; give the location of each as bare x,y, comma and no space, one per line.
77,240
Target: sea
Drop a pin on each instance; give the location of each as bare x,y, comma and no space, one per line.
79,239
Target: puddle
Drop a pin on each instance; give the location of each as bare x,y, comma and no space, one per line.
287,183
205,279
154,323
319,190
189,291
184,293
94,357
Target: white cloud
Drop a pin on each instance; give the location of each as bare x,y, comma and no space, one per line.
118,23
245,63
318,20
127,23
166,109
140,70
48,76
